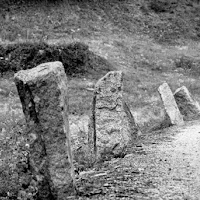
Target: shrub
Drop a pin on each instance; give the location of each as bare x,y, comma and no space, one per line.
29,55
184,62
159,6
76,58
189,64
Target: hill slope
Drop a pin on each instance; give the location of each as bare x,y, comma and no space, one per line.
162,20
151,41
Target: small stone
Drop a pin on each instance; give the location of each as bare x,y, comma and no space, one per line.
4,92
41,52
188,106
172,112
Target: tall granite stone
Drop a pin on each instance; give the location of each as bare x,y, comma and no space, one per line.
112,126
188,106
172,112
43,94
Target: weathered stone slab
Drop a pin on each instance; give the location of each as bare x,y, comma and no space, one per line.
43,94
112,125
172,112
188,106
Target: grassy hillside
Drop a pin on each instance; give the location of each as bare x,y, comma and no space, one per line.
151,41
162,20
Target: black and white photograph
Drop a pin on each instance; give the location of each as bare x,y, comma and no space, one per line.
99,99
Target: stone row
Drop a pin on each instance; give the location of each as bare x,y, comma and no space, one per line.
44,97
179,106
112,127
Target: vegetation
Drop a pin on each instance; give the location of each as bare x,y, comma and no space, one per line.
166,21
76,57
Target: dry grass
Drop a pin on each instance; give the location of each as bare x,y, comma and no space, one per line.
11,140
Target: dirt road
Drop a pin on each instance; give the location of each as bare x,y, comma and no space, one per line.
164,165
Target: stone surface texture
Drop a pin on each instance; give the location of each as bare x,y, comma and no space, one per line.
188,106
172,112
43,94
112,125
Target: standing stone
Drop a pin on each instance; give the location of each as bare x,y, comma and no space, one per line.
172,112
188,106
112,125
43,94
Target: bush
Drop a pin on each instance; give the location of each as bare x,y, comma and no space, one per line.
190,65
27,55
184,62
159,6
76,58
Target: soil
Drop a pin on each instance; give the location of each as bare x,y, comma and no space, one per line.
160,165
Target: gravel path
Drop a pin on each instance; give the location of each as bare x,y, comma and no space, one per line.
164,165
